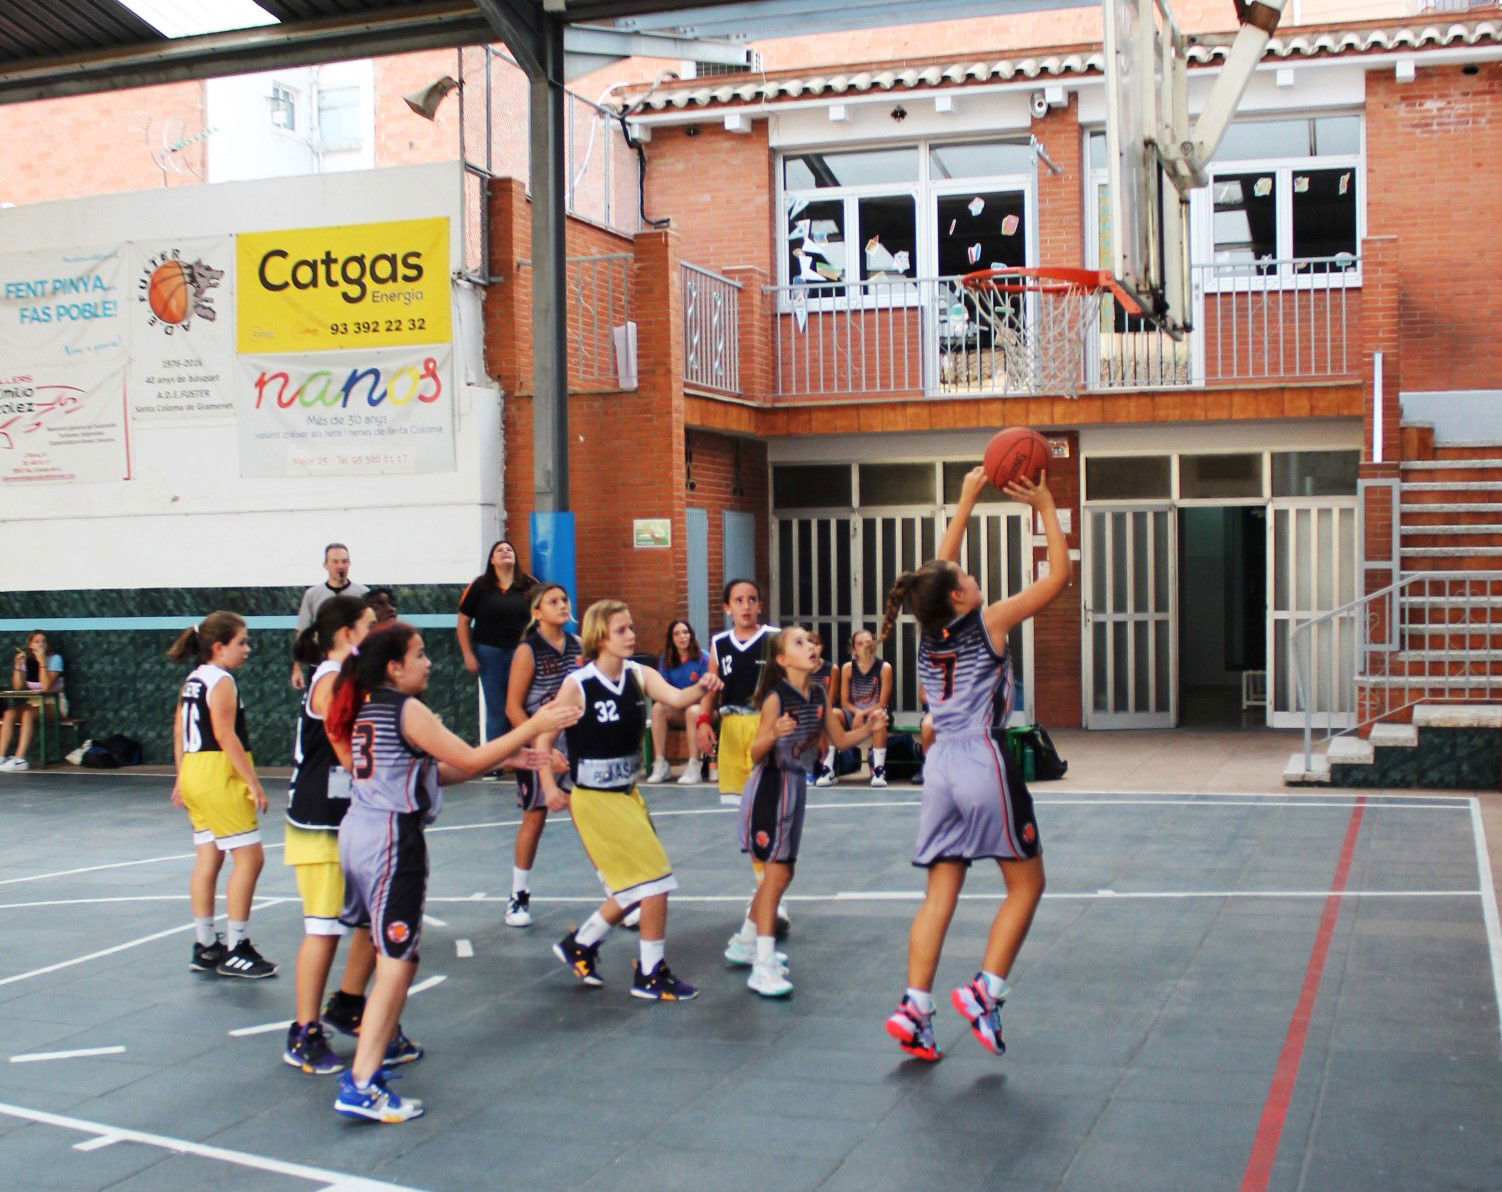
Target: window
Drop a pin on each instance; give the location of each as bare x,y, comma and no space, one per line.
283,107
902,212
339,118
1220,476
897,484
1315,473
1289,191
811,486
1126,477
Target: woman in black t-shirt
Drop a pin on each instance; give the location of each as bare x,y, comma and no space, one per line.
493,612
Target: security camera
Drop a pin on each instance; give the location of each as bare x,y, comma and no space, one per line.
1038,104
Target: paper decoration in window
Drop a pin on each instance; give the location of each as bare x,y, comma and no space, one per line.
796,203
800,309
1009,225
1301,184
1263,187
952,222
1345,182
977,205
973,253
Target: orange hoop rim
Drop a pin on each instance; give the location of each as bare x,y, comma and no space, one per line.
1050,279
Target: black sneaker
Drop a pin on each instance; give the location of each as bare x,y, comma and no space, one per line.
308,1049
581,960
660,985
244,961
206,957
345,1011
401,1050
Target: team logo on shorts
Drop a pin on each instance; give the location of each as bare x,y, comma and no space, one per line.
398,932
762,840
1029,833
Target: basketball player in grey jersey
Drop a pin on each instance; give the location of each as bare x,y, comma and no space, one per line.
974,803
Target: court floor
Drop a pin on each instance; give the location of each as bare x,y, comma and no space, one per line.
1287,991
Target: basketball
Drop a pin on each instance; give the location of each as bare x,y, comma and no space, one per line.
1015,452
167,294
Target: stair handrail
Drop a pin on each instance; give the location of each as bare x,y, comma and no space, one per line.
1392,591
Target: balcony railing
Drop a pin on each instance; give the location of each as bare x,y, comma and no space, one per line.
711,330
599,307
1255,321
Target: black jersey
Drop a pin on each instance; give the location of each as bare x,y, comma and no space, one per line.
549,668
740,664
604,744
865,686
193,710
799,749
318,793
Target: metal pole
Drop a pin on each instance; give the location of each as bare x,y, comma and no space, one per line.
549,275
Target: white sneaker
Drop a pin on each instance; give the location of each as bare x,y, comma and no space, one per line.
519,912
742,953
8,763
825,778
769,981
18,763
878,776
660,770
690,775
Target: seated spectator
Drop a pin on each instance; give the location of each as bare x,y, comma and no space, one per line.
32,669
682,663
382,601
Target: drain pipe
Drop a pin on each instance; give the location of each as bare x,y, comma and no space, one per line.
641,153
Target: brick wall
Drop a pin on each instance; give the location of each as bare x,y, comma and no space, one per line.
1056,630
717,188
1434,154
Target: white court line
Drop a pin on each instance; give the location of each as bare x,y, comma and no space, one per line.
330,1180
81,1053
1488,906
97,1144
992,896
463,949
436,979
38,877
264,1029
258,904
21,906
435,922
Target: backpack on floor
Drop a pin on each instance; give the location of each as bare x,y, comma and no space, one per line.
1047,764
903,758
112,753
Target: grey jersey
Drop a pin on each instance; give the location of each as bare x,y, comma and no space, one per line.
968,684
549,668
390,774
865,686
799,749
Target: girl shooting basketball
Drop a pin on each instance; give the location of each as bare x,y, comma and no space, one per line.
974,803
795,709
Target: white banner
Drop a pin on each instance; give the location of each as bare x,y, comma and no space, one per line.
63,423
182,331
62,305
379,411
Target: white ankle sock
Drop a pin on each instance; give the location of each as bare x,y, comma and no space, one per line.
878,757
652,952
921,998
766,948
592,931
203,930
237,930
520,879
747,933
996,986
829,758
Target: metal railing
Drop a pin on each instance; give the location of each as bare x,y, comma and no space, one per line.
711,330
599,304
1262,320
1431,636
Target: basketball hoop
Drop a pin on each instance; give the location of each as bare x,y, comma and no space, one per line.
1037,320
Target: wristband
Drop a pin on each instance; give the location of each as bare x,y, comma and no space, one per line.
703,718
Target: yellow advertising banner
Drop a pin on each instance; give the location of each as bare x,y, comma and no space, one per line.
349,286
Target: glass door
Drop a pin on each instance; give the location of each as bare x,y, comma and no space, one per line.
1131,593
1312,567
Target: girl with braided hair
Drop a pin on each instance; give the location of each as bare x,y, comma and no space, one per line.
975,804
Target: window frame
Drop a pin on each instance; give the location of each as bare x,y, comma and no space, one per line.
859,293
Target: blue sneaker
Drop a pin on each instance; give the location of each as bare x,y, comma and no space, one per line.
308,1048
660,985
376,1102
974,1003
401,1050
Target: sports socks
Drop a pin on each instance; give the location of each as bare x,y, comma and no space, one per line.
238,930
203,930
921,998
520,879
878,756
592,930
996,986
766,948
747,933
828,762
652,952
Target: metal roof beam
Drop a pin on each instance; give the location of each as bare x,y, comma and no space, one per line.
753,19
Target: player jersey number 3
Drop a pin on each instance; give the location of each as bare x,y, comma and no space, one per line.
606,712
362,746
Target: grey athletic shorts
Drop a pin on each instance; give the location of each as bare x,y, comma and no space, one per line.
974,805
385,861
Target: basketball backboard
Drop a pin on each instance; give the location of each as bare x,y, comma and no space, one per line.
1146,119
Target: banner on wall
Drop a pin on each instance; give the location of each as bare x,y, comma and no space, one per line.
370,285
63,424
376,412
182,331
62,305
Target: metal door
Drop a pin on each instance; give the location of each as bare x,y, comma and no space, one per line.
1131,617
1312,568
696,539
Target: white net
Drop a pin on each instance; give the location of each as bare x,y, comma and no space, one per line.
1034,330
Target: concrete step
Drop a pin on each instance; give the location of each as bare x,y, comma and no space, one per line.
1467,449
1483,686
1350,751
1441,465
1450,486
1458,715
1318,773
1393,736
1449,529
1451,507
1452,552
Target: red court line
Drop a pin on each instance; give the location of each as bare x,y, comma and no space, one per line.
1259,1167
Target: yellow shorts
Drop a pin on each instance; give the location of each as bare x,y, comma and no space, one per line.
320,880
220,806
736,734
621,843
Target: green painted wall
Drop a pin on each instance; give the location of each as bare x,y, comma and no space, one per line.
120,680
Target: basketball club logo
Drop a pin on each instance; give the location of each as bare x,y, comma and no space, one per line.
398,932
176,292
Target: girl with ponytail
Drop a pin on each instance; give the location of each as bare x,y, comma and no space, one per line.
975,804
398,753
217,785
